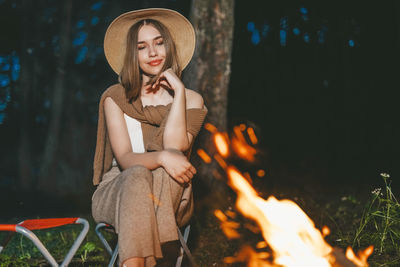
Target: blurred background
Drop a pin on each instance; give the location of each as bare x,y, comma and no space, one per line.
317,80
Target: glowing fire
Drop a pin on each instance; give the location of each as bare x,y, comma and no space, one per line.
221,143
240,146
286,229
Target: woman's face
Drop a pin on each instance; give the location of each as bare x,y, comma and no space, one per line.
151,50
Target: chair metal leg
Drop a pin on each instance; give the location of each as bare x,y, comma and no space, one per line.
113,257
113,254
77,242
102,239
183,239
27,233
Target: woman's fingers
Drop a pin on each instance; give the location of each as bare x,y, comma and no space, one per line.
189,174
161,82
160,77
185,178
169,79
192,169
180,180
164,82
155,84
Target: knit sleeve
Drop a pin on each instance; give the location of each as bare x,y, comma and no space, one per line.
194,119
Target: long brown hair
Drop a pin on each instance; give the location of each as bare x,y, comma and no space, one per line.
131,75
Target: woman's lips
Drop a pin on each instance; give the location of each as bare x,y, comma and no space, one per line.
155,62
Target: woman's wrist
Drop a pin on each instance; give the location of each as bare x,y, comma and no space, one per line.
180,91
165,153
160,158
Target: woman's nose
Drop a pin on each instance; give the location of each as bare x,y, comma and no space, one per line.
152,51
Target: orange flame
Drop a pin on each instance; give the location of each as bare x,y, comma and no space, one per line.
240,145
221,144
204,156
288,230
252,135
211,128
228,227
243,150
290,233
242,127
361,260
248,254
261,244
220,161
326,231
260,173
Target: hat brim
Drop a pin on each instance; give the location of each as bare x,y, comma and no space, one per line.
180,28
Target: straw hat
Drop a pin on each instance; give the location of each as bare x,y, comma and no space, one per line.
180,28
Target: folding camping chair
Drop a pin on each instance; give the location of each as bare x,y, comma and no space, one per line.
26,227
114,253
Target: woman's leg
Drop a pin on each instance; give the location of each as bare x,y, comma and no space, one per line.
126,202
133,262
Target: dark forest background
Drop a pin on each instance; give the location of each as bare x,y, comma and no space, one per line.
317,79
325,96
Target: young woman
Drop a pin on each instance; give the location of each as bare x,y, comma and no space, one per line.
147,123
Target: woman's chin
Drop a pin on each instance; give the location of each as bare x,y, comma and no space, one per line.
152,71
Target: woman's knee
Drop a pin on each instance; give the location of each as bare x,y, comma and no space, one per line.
137,170
136,175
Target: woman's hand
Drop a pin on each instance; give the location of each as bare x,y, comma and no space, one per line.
177,165
169,79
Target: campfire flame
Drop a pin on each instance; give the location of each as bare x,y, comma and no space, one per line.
240,145
221,143
285,227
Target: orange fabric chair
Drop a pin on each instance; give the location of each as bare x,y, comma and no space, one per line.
26,227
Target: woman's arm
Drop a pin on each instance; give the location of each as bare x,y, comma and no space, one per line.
174,163
175,132
120,142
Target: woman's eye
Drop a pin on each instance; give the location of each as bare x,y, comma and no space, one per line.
141,47
160,42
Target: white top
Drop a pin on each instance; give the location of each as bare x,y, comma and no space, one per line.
135,134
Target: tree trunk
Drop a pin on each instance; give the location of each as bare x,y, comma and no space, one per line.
47,183
209,70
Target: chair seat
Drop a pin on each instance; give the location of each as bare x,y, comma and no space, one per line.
114,252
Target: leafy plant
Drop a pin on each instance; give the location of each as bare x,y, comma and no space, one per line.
380,221
86,249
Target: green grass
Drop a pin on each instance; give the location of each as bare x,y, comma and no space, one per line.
380,223
372,218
